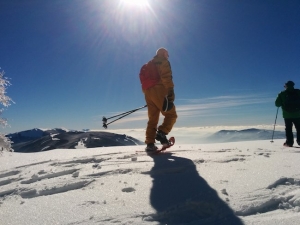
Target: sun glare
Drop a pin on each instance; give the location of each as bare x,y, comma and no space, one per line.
135,2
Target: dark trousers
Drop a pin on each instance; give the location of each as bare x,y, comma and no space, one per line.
289,130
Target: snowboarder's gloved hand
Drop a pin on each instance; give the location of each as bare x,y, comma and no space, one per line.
171,95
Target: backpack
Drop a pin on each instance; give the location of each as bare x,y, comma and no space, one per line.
149,75
292,101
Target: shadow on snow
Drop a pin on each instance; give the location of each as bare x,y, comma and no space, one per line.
181,196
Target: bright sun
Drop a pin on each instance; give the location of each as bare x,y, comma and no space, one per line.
135,2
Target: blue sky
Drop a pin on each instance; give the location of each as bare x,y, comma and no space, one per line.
71,62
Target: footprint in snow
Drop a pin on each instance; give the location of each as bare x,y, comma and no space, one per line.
128,189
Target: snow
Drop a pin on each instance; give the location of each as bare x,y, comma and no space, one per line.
249,182
80,144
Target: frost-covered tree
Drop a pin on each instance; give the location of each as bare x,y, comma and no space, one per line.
5,143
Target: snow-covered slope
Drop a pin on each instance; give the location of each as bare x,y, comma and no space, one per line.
255,182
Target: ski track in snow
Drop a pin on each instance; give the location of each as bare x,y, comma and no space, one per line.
18,182
61,176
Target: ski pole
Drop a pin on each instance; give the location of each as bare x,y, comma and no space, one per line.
274,125
121,115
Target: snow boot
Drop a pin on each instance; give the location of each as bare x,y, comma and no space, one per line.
151,148
287,145
161,136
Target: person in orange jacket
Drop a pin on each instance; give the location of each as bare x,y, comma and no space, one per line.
160,99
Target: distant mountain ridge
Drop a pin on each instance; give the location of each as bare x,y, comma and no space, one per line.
37,140
250,134
33,134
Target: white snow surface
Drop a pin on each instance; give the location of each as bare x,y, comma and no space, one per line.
254,182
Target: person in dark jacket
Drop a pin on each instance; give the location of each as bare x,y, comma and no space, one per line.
290,116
